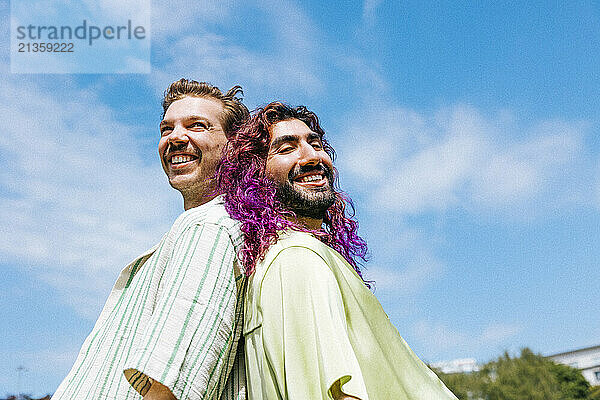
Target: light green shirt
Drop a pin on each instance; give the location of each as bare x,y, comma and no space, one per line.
174,315
309,320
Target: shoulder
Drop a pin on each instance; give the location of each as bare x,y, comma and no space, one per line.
296,256
298,247
292,238
299,275
294,271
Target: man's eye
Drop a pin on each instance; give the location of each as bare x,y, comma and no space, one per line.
165,130
285,149
317,145
201,125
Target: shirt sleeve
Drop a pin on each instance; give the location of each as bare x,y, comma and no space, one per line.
304,328
189,343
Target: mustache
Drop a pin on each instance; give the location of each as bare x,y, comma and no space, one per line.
303,169
183,147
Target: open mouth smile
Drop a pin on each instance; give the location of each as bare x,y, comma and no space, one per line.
180,160
313,179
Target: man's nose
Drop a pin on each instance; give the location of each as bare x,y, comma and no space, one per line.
178,135
308,155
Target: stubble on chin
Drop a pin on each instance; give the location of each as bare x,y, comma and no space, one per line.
311,203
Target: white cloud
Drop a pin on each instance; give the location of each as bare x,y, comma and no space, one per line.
405,280
594,191
458,157
292,28
524,170
202,48
369,11
498,332
136,64
42,368
431,178
78,199
215,59
437,336
414,265
94,11
176,18
442,341
120,11
48,361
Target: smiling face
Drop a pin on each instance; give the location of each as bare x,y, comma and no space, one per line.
190,146
301,169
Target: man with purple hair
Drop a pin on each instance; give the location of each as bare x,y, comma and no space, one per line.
312,327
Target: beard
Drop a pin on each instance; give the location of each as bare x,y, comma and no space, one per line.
306,202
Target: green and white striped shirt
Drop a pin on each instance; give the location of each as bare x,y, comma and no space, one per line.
174,316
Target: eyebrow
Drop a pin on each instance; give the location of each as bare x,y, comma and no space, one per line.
293,138
188,118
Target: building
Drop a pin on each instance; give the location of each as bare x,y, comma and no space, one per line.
462,365
586,359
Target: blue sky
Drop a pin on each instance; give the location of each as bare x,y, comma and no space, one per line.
467,136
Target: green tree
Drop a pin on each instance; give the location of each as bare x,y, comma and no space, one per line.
595,393
572,383
464,386
527,377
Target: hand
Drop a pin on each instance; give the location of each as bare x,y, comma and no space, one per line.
158,391
336,392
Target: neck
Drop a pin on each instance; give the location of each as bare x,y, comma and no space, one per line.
195,201
196,195
313,224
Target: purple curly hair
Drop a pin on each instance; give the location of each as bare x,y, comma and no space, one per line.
250,196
